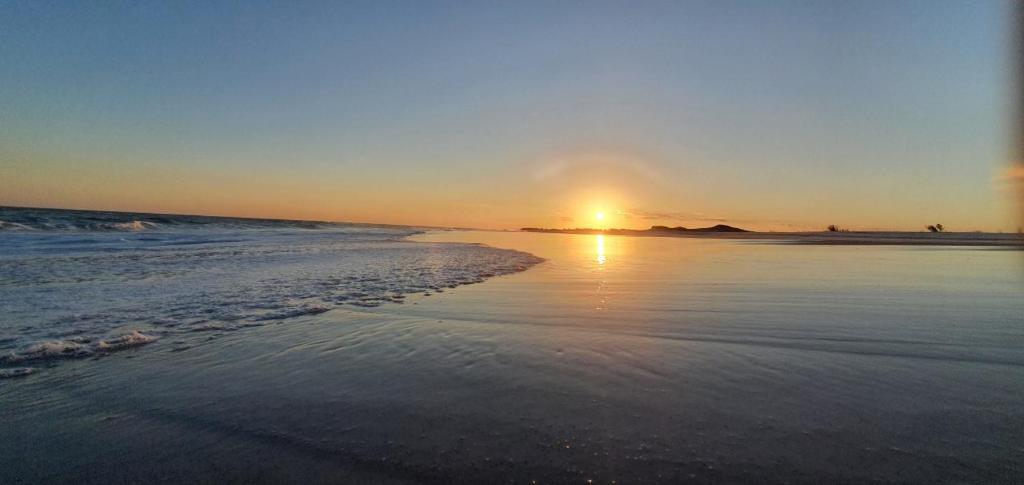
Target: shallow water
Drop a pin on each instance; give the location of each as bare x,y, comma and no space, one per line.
626,360
80,283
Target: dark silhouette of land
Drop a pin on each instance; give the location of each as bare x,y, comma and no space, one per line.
653,231
834,236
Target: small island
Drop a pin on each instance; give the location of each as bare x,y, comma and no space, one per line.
653,231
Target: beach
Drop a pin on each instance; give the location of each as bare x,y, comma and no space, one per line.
406,242
615,360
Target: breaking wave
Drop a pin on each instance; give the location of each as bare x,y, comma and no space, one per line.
75,349
16,372
28,219
134,226
64,292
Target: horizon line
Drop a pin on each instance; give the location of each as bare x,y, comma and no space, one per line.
446,227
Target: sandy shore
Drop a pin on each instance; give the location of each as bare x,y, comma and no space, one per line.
617,360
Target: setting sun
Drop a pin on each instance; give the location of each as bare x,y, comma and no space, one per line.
599,216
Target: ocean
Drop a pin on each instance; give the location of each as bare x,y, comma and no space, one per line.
285,352
83,283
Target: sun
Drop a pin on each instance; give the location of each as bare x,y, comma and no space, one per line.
599,216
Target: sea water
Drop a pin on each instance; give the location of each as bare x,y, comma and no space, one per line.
615,360
83,283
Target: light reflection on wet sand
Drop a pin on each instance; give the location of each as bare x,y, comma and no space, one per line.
627,359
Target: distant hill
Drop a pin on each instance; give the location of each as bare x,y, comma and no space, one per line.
653,231
715,228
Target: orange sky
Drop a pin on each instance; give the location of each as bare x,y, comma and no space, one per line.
564,190
782,116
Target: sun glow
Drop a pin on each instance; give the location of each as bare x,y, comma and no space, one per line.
599,216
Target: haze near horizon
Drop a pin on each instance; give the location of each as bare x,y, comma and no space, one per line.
763,116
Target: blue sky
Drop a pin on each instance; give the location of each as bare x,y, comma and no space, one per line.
771,114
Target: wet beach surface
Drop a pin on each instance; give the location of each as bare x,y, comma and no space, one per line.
625,360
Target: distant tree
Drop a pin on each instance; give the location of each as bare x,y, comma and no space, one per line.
933,229
940,228
832,228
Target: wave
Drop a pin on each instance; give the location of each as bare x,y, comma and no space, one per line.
77,276
13,226
29,219
16,372
74,349
66,289
134,226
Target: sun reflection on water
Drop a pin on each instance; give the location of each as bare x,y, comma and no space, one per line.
600,249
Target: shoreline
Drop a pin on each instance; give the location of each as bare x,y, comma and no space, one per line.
639,360
973,239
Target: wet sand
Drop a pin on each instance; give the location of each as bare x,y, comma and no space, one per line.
618,360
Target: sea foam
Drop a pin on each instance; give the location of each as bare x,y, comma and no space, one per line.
133,226
78,277
75,349
16,372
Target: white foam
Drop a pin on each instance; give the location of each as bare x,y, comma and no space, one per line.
4,225
52,349
65,290
133,339
133,226
16,372
75,348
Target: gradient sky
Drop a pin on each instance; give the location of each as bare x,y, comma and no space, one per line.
767,115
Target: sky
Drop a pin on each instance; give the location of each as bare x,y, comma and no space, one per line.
787,115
